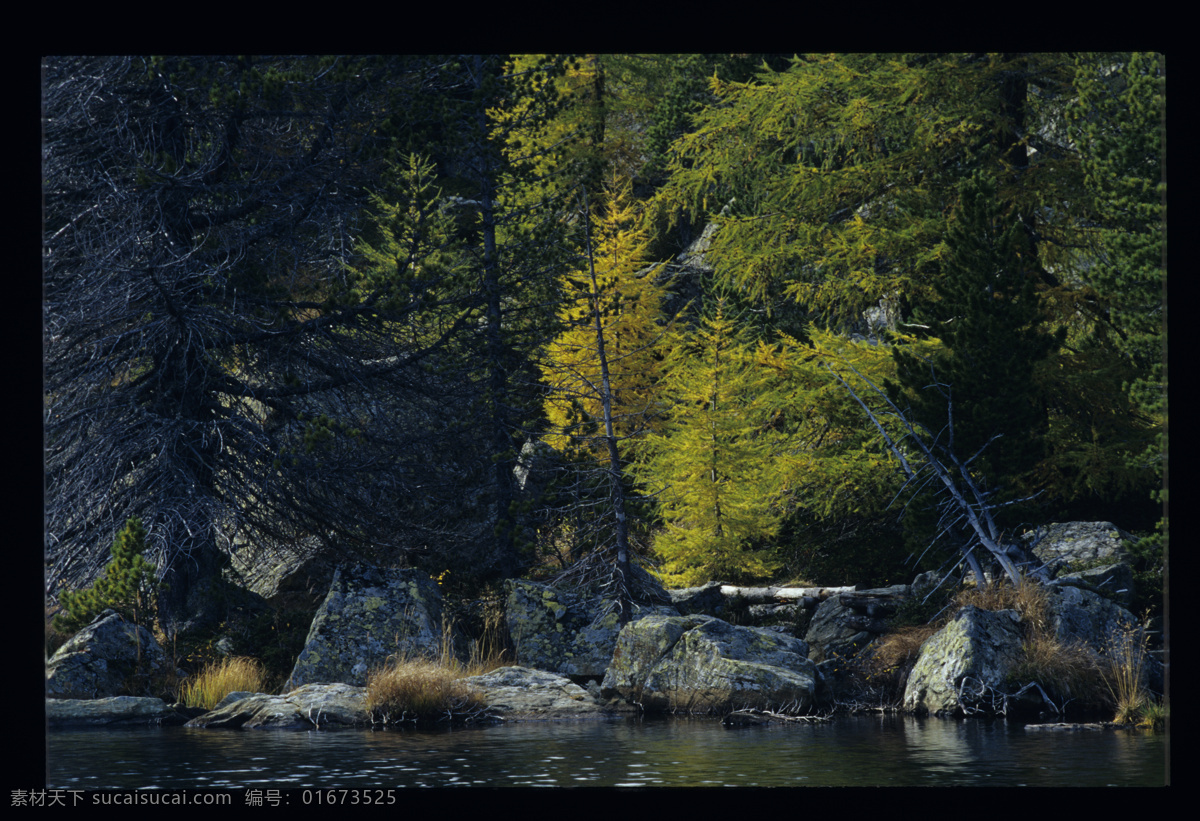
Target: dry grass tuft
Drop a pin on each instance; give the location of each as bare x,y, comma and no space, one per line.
892,659
1124,674
418,689
230,675
1069,671
1029,599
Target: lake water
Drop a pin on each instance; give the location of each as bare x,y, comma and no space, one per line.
846,751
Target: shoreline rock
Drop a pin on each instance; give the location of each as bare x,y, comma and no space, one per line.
114,711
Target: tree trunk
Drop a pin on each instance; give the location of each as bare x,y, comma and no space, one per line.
623,572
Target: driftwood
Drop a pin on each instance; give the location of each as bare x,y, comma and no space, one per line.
751,718
780,595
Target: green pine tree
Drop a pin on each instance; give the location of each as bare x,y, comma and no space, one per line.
977,395
1119,116
128,585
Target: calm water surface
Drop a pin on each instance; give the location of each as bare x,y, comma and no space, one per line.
847,751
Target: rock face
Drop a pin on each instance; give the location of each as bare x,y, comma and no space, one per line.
700,664
706,599
1082,616
302,567
958,665
102,659
522,693
369,614
845,623
118,711
563,632
311,707
1076,543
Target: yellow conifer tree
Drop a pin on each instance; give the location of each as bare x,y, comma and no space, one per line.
628,298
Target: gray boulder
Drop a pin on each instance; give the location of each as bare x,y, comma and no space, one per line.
700,664
562,632
117,711
706,599
369,615
311,707
847,622
1064,544
522,693
269,570
961,668
1081,616
1115,580
105,658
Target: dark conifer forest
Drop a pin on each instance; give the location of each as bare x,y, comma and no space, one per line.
706,316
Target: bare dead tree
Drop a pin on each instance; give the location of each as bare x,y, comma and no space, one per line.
929,458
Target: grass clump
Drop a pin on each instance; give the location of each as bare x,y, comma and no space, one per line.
891,660
1068,671
420,690
1124,670
217,680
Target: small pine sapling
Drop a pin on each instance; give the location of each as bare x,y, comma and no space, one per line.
128,585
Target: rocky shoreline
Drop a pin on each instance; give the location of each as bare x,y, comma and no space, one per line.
511,693
575,661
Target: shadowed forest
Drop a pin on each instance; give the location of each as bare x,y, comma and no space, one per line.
744,317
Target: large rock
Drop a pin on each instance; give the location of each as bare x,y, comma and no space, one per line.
108,657
562,632
700,664
706,599
961,667
522,693
117,711
369,614
1115,580
302,567
1079,544
1081,616
311,707
845,623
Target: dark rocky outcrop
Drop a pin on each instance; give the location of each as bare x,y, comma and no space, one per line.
673,657
369,615
847,622
700,664
105,658
116,711
562,632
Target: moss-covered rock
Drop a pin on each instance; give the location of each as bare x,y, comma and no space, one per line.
370,613
311,707
565,633
108,657
963,665
700,664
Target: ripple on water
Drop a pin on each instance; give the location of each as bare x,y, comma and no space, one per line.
854,751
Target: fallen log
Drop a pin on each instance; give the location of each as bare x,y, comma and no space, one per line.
776,595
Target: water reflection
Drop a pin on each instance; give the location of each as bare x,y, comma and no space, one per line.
852,751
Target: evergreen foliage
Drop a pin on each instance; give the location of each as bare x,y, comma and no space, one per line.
128,585
334,297
988,317
1120,116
